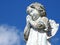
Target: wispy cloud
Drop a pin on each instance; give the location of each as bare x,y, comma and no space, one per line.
9,35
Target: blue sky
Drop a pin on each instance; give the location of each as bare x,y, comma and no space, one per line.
13,13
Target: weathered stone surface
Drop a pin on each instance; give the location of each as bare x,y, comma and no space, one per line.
38,28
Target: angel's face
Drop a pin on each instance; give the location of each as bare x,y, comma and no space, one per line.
34,13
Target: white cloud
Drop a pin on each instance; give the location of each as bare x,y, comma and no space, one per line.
9,35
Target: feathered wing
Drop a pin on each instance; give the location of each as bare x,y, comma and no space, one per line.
54,27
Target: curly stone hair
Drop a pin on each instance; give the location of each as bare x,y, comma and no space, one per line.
39,7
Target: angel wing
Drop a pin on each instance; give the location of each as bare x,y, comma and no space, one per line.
54,27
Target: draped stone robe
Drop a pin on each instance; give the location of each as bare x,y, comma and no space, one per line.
37,38
40,37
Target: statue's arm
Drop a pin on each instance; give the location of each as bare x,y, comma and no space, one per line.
30,20
38,23
26,31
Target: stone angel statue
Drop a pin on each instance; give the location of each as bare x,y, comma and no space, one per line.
39,29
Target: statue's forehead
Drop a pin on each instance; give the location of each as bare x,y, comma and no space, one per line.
37,5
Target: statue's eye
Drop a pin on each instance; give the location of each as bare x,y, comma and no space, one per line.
40,10
32,7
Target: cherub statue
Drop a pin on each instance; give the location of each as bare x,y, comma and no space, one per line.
39,29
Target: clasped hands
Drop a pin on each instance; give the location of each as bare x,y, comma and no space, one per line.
36,24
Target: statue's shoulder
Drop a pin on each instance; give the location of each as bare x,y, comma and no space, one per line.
54,27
